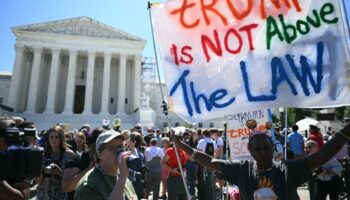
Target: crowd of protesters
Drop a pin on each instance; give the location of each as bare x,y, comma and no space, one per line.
332,178
84,164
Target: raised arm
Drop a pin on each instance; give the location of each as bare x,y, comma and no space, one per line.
200,157
9,192
71,177
329,149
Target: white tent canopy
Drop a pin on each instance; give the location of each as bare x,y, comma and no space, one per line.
305,123
179,129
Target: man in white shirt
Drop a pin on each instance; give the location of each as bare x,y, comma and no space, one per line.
105,123
153,156
206,189
202,144
219,142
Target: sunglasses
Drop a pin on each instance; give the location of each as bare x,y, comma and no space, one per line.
308,147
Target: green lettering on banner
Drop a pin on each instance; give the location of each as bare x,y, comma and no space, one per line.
328,9
272,30
303,27
315,23
290,32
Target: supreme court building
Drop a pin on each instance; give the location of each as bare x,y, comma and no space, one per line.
75,66
66,66
77,71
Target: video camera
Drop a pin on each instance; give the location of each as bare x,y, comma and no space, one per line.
15,136
19,161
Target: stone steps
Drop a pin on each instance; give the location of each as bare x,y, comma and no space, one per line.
75,121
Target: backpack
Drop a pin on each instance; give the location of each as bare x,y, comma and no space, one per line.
209,149
154,165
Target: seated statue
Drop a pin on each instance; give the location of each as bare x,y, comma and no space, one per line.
144,101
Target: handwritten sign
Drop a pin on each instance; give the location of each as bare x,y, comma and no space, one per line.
229,56
238,133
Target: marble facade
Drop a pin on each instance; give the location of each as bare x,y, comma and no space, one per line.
75,66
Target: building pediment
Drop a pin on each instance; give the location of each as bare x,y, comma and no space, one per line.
80,26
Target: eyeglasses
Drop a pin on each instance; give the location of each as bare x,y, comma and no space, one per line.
113,148
308,147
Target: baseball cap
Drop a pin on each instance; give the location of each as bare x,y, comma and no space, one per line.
215,130
138,126
108,136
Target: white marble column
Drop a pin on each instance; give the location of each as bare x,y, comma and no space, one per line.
16,78
52,89
24,88
70,89
137,81
89,83
34,80
106,83
121,84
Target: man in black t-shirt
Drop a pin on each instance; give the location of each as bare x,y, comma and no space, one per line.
262,178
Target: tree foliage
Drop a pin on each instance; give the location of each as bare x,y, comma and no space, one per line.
275,119
342,112
296,114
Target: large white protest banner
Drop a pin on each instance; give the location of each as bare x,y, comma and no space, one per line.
228,56
238,134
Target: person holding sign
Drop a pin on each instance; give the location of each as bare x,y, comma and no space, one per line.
263,178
